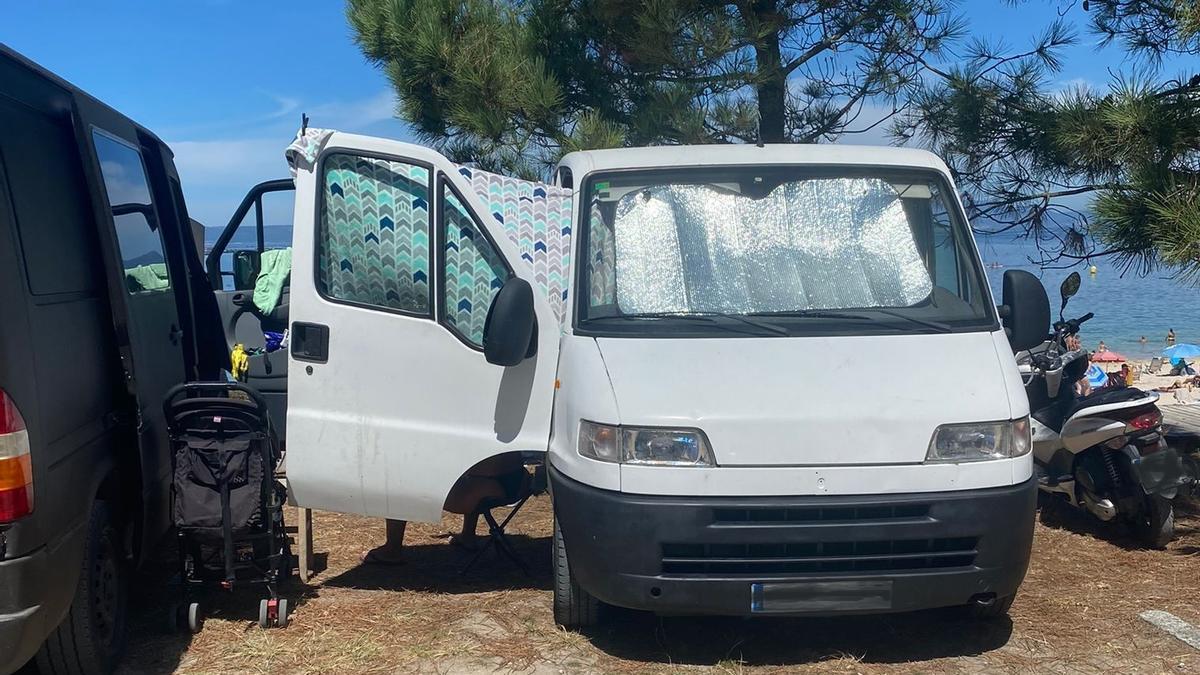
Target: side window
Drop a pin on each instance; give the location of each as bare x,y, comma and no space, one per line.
373,235
265,227
472,273
138,235
945,249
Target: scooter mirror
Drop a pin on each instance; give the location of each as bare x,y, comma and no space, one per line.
1069,287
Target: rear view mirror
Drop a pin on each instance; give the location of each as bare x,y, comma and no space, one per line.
1070,286
511,324
1026,310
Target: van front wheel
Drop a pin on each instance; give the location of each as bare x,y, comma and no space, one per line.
92,634
573,606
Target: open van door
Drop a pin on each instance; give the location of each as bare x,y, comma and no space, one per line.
260,227
395,267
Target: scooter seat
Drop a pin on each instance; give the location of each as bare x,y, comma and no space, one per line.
1105,397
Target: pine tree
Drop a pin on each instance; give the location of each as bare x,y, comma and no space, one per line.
514,84
1083,172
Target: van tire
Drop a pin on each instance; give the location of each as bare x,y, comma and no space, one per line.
91,637
573,606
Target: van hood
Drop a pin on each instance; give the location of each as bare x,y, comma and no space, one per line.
811,400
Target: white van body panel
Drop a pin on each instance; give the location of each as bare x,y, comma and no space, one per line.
402,408
809,401
584,392
825,480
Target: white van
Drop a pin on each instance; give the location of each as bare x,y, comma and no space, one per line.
767,380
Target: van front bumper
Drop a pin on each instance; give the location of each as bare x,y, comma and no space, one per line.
795,555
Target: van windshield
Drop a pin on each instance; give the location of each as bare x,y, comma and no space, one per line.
776,251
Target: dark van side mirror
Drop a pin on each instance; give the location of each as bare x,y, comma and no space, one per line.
1026,310
510,325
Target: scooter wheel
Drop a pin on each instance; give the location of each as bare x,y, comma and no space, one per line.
1155,526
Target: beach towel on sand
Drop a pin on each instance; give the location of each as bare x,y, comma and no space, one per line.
274,273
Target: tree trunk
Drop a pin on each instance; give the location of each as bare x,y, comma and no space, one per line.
772,82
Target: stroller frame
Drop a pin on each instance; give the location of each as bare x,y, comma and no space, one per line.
228,412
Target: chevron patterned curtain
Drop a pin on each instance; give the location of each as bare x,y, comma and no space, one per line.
474,272
373,238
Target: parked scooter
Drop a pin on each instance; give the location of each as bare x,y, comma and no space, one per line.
1104,452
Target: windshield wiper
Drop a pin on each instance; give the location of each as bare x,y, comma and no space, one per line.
814,314
856,315
711,317
936,325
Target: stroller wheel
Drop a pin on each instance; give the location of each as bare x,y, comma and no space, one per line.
264,614
282,619
195,620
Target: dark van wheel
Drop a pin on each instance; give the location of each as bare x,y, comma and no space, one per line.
92,634
573,606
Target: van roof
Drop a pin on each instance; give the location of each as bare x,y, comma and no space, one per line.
666,156
7,53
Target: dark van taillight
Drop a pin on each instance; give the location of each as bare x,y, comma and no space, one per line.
16,472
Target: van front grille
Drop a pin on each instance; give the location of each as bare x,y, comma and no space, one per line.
818,557
821,514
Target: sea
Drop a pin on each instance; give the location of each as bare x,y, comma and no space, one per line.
1127,306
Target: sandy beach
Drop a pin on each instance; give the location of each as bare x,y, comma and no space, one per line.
1180,394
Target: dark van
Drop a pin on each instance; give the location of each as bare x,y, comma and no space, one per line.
104,305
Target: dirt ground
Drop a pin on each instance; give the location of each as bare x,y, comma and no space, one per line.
1077,612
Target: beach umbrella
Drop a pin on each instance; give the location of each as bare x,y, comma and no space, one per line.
1096,376
1182,351
1107,357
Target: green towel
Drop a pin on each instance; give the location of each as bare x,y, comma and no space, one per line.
152,277
275,271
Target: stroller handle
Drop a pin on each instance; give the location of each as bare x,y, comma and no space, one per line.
192,388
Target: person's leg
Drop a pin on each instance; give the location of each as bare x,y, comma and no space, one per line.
467,538
390,553
465,497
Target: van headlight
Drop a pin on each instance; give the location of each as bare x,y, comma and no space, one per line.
979,442
655,446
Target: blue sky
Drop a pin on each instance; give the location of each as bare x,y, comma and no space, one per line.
224,82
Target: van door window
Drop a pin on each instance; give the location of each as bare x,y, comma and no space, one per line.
133,213
265,227
373,238
472,271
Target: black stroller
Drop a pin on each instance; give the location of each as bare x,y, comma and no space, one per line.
227,505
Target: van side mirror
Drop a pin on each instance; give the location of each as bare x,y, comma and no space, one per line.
511,324
1026,310
246,266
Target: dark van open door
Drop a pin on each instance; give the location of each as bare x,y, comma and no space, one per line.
262,223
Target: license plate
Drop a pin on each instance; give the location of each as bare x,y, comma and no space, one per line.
820,596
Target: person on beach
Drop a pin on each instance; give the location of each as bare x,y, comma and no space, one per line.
1102,347
1170,336
1082,387
1142,341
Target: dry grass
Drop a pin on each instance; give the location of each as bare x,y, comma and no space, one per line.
1077,613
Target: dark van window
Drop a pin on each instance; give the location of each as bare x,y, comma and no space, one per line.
49,200
133,215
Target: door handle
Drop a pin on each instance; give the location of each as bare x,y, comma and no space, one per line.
309,342
238,299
